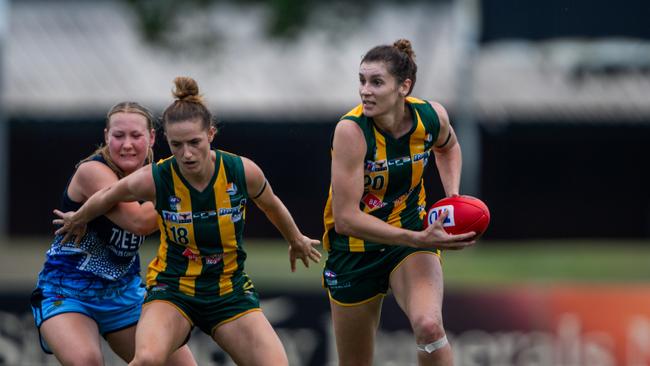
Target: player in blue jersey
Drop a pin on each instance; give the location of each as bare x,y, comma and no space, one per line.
93,287
373,217
198,278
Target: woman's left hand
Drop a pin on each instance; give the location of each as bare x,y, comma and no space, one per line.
69,228
303,249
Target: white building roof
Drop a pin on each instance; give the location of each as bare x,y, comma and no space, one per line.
76,58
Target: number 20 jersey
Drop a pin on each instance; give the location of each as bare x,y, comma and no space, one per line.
393,169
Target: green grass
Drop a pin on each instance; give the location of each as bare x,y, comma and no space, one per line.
541,262
489,263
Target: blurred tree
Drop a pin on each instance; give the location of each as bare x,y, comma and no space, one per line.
159,19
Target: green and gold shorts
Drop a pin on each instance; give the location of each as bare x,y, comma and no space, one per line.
354,278
207,312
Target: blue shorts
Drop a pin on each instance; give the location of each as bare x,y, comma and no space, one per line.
112,305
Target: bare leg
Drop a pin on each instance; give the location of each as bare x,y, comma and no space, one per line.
354,329
418,288
250,340
122,343
74,339
161,330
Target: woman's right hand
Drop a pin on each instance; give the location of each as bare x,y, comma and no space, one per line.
70,228
435,236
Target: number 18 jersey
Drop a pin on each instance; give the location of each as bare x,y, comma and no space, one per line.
201,233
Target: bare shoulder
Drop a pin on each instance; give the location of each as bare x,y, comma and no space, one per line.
249,165
253,174
90,177
348,127
348,135
441,111
95,170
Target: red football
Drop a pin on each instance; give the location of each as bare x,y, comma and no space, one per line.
466,213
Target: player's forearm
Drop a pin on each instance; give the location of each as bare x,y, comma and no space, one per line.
98,204
146,222
358,224
280,217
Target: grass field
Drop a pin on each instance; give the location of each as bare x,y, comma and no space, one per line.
489,263
492,263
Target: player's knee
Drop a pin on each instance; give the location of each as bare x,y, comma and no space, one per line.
148,358
85,358
428,329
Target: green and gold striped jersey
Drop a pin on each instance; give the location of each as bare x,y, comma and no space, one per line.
201,238
393,169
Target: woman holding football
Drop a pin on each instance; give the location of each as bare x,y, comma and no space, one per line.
374,213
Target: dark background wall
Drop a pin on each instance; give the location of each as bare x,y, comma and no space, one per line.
540,20
541,179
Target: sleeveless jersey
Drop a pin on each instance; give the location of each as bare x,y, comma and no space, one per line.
201,233
106,251
393,168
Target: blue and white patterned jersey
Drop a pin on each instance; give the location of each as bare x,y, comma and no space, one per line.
106,251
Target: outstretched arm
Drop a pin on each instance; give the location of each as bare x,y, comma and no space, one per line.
93,176
347,189
138,186
300,246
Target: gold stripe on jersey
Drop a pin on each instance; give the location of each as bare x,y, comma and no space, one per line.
380,154
414,100
159,263
422,202
356,244
328,219
187,283
394,218
416,146
356,112
226,231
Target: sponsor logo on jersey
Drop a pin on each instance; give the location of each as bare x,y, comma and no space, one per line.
399,161
209,259
399,200
229,211
189,254
428,137
236,213
123,243
330,278
177,217
236,217
372,202
204,215
435,213
376,166
231,189
174,202
329,274
213,259
420,156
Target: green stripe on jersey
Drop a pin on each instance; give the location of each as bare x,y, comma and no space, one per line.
393,170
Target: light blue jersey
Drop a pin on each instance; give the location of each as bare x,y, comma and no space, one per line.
99,277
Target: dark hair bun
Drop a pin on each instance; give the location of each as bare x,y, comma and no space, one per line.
187,90
404,45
